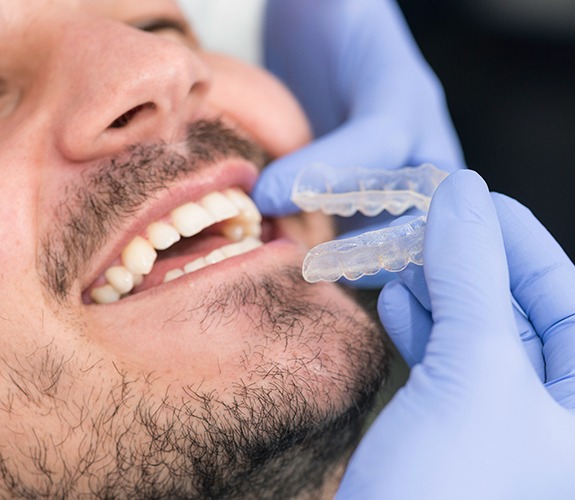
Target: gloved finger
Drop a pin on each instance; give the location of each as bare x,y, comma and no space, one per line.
466,274
531,341
413,279
543,282
357,143
406,322
370,142
410,332
462,238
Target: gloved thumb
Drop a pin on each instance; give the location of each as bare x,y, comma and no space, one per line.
351,145
466,271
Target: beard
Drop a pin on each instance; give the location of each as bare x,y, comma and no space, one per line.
281,430
283,427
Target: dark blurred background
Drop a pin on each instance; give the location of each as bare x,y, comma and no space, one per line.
508,69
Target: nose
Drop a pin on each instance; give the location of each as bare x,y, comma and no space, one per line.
118,86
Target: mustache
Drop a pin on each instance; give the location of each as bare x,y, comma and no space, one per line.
113,192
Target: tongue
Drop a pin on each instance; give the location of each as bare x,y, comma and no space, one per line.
176,257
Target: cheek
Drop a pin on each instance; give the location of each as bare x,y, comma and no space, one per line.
18,231
258,103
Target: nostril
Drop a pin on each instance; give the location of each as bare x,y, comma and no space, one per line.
127,117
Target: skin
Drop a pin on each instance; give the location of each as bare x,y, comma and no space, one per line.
237,380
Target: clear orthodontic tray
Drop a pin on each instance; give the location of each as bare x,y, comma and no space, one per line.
344,193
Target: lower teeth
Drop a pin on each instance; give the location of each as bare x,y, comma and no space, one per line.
107,293
214,257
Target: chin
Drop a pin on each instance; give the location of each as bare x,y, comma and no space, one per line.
281,411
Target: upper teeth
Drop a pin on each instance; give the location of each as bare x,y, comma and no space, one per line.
242,225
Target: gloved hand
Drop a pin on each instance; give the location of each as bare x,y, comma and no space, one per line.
474,420
371,98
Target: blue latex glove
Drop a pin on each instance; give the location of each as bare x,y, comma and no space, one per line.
474,420
371,98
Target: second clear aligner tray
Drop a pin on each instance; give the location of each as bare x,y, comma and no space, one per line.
345,192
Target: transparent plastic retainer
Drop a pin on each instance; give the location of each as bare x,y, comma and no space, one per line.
370,192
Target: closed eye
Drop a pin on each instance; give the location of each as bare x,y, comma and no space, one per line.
170,27
163,24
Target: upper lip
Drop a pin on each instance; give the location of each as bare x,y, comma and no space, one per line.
231,172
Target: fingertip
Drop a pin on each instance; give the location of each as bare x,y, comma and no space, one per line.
273,190
461,185
272,193
390,296
462,202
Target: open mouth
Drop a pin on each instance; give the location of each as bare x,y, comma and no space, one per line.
221,225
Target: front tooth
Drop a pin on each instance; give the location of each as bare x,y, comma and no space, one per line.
139,256
245,204
215,257
233,250
219,206
242,247
173,275
190,219
251,244
106,294
162,235
250,217
196,265
120,278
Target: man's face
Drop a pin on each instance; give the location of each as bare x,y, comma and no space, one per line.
126,153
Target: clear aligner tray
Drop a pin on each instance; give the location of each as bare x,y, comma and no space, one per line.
370,192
